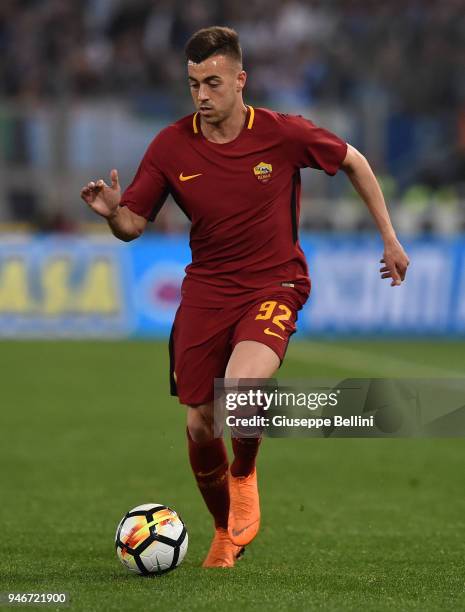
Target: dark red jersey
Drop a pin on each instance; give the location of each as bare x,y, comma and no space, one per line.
242,198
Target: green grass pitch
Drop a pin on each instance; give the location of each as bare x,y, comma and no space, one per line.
88,431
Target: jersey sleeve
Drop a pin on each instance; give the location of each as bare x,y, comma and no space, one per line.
310,146
149,188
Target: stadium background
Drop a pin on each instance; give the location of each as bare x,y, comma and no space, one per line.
84,86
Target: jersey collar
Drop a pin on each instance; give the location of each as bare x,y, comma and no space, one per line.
249,119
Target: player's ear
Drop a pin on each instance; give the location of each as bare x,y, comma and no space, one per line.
241,79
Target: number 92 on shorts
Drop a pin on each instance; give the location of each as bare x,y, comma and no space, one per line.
202,340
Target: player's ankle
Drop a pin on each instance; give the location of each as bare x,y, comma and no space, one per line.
238,470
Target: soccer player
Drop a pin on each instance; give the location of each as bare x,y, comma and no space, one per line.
235,172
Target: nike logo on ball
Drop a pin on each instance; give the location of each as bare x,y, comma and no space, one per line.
268,332
188,178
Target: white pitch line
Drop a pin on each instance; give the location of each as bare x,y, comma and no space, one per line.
367,362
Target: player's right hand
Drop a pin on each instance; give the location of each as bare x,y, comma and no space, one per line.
103,199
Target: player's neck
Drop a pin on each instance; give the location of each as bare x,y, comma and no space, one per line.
228,129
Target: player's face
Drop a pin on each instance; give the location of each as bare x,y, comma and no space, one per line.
216,85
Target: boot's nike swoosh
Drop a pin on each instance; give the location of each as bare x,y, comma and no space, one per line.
268,332
188,178
237,532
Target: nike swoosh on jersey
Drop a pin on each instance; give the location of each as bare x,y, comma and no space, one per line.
237,532
268,332
188,178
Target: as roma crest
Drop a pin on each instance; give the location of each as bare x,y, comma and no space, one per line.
263,172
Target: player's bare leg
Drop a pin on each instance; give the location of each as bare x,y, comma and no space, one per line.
209,463
249,359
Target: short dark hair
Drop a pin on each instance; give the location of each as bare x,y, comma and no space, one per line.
216,40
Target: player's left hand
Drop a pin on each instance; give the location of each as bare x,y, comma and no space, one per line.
396,262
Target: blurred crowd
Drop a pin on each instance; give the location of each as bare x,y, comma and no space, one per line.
297,50
407,56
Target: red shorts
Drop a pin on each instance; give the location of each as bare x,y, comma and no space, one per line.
202,340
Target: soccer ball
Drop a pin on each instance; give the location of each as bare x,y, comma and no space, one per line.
151,539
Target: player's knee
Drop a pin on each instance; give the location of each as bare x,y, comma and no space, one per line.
200,423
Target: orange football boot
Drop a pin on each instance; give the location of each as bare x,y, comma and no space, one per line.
222,553
244,508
